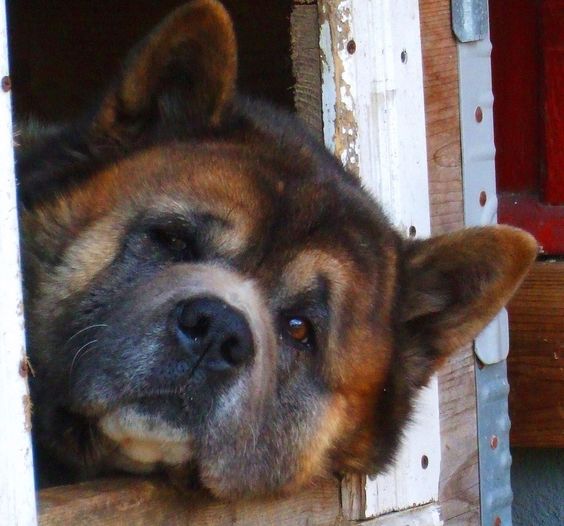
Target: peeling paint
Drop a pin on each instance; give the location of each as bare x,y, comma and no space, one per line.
336,18
374,121
28,406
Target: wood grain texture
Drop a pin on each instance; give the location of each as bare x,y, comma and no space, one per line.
306,65
459,486
459,493
141,502
440,68
536,358
353,497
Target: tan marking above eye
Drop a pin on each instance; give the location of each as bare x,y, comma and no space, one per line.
299,329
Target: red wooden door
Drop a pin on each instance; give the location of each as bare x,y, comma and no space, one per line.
528,85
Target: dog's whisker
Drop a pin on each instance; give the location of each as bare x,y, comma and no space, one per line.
78,355
95,326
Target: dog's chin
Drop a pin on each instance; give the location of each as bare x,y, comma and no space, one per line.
147,437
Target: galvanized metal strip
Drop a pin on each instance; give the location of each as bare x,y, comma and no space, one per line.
470,19
480,208
493,444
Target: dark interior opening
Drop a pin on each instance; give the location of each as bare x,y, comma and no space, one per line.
63,54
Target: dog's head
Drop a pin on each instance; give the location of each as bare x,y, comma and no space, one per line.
208,287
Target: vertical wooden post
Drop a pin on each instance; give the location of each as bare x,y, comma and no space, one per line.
374,121
17,499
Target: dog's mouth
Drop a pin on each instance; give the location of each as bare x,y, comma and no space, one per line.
149,431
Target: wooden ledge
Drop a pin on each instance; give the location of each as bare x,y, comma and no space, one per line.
140,502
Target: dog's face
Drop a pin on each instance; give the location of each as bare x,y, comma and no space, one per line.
208,288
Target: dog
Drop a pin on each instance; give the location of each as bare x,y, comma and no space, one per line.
210,293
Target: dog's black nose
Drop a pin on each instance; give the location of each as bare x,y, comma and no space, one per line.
217,334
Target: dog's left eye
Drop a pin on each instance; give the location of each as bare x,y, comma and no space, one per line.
177,244
300,330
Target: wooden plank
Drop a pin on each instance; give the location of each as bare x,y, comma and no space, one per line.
536,359
375,123
143,502
459,493
17,502
419,516
459,483
440,69
306,65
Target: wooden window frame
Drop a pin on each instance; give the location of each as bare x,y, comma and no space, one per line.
17,494
528,73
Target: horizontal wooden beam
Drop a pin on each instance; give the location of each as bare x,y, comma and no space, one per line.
139,502
536,358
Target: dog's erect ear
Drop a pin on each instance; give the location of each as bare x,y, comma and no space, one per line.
178,82
181,77
456,283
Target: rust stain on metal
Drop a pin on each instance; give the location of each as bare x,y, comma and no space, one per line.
337,14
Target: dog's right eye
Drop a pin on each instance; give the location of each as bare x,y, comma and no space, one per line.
180,246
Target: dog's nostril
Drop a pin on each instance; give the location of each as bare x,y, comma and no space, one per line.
233,352
193,324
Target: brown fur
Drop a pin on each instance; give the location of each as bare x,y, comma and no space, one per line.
270,226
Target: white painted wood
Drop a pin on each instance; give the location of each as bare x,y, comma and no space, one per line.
374,118
428,515
17,499
408,483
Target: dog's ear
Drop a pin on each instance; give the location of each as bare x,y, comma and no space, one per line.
454,284
178,82
181,77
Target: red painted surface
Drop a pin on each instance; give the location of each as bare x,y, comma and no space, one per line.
552,42
545,222
516,68
528,85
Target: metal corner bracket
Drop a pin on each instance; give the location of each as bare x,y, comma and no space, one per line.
470,19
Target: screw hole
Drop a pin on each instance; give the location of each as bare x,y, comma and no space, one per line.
404,56
483,198
412,231
479,114
497,521
351,47
424,461
494,442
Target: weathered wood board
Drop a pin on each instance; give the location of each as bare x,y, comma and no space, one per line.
536,359
459,496
139,502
